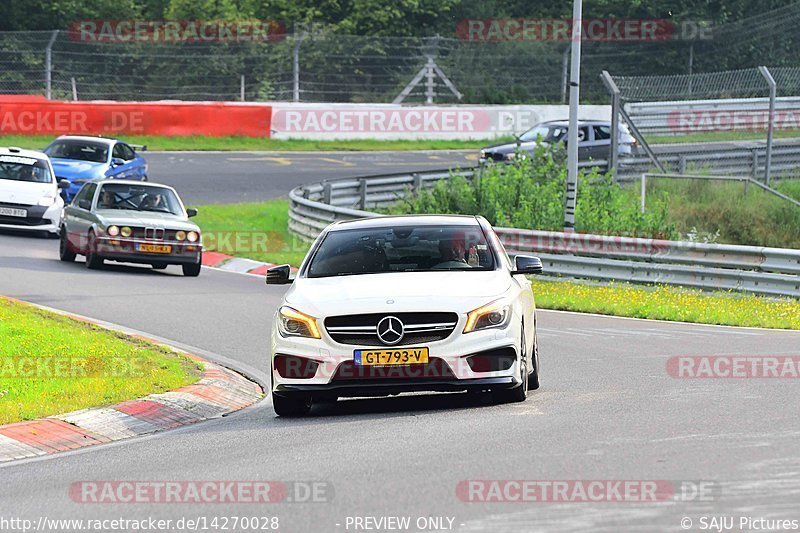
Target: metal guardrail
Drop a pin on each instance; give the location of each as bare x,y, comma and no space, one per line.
754,269
659,118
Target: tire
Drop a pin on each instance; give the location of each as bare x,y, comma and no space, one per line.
291,405
520,392
65,251
192,270
533,377
93,261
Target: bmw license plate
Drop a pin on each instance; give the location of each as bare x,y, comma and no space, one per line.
404,356
154,248
9,212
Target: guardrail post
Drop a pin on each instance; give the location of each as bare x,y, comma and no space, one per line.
362,193
682,164
644,190
327,192
754,172
417,187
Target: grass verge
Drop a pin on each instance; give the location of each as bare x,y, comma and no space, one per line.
203,143
257,230
52,364
668,303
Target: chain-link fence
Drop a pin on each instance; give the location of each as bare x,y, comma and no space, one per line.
324,67
739,123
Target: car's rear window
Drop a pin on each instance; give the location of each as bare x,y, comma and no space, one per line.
408,248
20,168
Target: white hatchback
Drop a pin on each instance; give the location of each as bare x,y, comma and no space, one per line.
387,305
29,193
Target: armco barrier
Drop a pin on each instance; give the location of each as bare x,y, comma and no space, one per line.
35,115
755,269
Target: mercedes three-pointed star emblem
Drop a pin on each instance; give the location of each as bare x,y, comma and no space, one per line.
390,330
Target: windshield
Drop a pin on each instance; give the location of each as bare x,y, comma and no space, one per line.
401,249
17,168
139,198
549,134
78,150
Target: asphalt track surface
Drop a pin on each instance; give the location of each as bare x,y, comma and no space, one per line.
227,177
607,410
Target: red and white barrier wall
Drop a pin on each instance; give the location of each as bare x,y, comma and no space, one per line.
35,115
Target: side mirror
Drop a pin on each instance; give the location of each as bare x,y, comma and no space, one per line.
191,212
64,184
117,162
85,204
279,275
527,264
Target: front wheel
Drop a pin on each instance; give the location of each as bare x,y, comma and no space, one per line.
520,392
533,378
93,261
192,270
65,251
291,405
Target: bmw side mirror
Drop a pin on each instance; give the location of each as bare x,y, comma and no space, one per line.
117,162
85,204
191,212
64,184
279,275
527,264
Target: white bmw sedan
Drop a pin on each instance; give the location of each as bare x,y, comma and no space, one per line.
388,305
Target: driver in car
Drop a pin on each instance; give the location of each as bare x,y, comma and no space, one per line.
452,252
153,201
106,200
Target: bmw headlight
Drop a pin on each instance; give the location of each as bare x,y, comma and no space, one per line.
293,323
126,231
493,315
113,231
193,236
180,235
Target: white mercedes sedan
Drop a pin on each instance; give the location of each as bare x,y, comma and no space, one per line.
397,304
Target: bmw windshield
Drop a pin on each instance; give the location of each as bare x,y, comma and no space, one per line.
139,198
402,249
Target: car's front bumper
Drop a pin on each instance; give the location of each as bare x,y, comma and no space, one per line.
126,251
39,218
337,375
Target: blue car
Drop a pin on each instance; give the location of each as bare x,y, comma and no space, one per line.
80,159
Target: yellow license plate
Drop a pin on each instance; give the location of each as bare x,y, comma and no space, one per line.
154,248
399,356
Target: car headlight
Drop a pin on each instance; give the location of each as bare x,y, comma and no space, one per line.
193,236
113,231
483,154
493,315
180,235
293,323
126,231
47,201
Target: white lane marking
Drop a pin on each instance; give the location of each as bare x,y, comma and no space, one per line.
763,331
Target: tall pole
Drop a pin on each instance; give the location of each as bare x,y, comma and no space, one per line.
48,66
771,126
298,40
572,134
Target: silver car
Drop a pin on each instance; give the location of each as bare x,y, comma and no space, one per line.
131,222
